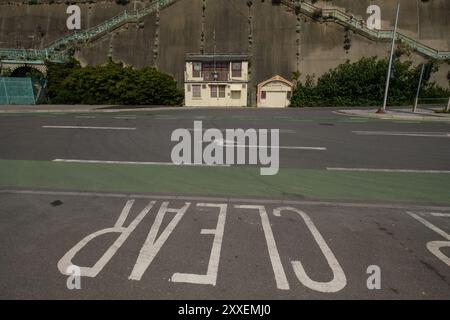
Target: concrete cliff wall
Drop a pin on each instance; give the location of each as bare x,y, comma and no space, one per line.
266,31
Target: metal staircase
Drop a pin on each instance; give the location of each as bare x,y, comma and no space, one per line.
360,27
57,51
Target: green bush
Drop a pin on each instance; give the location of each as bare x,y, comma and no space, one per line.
111,83
362,83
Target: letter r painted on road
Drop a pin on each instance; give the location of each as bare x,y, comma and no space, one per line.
66,261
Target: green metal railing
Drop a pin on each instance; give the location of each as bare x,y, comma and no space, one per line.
57,51
361,28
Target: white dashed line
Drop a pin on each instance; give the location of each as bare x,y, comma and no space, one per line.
92,128
406,134
137,163
388,170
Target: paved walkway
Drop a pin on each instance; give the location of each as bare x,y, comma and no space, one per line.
421,114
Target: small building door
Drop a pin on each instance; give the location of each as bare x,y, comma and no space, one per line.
274,93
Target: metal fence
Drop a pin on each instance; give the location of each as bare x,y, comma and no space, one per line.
16,91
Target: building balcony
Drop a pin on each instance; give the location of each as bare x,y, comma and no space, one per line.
215,75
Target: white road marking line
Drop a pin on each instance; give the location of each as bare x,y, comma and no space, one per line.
231,143
223,130
153,244
430,225
407,134
139,163
126,118
221,199
277,266
85,117
387,170
124,232
277,147
213,266
339,280
93,128
440,214
165,118
434,214
435,246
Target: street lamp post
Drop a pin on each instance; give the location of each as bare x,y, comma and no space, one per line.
388,79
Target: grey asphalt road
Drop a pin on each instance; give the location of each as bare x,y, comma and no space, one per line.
310,249
349,142
37,231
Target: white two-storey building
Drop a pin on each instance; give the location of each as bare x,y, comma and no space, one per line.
216,80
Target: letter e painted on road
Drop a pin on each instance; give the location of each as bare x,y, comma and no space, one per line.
211,275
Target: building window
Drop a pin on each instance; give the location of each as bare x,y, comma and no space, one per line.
263,95
236,69
221,91
196,91
213,91
196,69
289,95
218,91
235,94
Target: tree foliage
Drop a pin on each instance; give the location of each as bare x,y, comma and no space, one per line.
362,83
111,83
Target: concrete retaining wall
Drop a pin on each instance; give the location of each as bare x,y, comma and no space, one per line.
265,31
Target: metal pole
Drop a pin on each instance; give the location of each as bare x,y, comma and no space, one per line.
6,91
394,36
416,101
447,109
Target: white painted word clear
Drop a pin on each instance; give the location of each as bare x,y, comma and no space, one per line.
160,232
234,145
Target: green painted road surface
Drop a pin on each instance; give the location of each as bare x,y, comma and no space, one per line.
227,181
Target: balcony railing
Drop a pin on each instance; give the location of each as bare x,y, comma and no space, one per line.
215,75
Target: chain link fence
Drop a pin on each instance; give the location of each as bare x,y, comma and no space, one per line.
16,91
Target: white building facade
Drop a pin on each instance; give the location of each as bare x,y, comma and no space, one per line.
219,80
274,93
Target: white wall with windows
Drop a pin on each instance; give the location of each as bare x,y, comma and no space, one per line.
215,95
219,81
